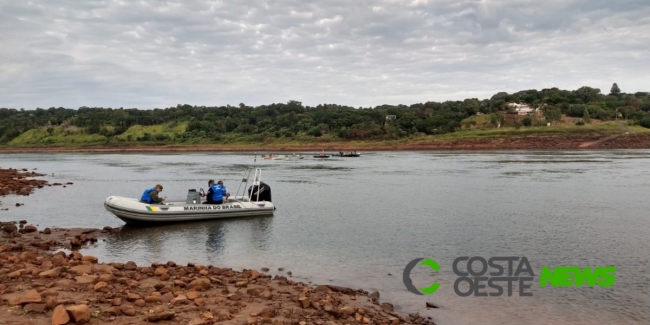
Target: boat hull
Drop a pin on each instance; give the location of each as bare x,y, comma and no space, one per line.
130,210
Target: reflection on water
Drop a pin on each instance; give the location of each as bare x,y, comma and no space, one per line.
358,222
175,241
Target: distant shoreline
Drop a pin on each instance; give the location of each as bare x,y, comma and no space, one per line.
631,141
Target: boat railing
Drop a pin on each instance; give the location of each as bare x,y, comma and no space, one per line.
245,180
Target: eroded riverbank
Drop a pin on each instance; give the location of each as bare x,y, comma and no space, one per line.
629,141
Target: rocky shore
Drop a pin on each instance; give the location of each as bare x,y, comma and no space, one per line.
21,182
14,181
47,280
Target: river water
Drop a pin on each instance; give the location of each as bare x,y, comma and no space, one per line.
359,221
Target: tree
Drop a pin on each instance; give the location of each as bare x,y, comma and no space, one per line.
585,116
615,91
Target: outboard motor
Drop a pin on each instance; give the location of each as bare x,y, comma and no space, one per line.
264,191
193,197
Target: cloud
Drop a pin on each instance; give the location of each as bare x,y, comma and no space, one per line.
153,53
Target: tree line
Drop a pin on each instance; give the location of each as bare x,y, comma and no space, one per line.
342,122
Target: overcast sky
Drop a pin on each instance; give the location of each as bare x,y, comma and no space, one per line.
148,54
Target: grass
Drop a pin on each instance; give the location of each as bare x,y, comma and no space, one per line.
596,129
172,130
58,135
74,137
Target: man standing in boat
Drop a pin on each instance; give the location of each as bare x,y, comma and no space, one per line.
150,195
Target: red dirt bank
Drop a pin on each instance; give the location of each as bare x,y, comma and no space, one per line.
631,141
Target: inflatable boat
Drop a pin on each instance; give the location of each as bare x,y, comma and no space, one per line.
256,201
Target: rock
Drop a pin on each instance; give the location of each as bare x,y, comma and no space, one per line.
179,300
241,284
431,305
30,229
374,295
153,299
89,258
35,308
387,307
223,314
86,279
58,260
268,313
345,312
304,302
47,231
161,270
130,266
102,268
128,310
80,314
32,296
132,297
280,269
199,302
265,269
322,288
117,301
343,290
234,296
106,278
53,273
81,269
199,285
166,298
100,286
51,302
266,294
166,315
60,316
118,266
112,311
393,320
140,303
9,228
191,295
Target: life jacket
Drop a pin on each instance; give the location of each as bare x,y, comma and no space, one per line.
146,197
217,193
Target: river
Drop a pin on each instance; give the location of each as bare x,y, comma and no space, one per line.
359,221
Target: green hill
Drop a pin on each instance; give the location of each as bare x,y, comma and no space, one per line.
59,135
153,132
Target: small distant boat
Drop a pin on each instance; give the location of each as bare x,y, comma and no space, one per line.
294,156
321,156
273,157
348,154
282,157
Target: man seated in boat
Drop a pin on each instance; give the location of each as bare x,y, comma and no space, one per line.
150,195
217,193
224,192
209,197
